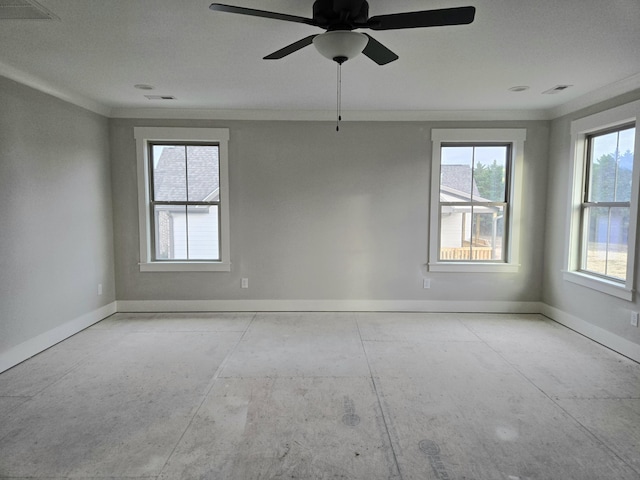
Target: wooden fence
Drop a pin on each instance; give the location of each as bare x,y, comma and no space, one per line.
464,253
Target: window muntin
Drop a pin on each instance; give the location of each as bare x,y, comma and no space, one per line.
185,201
606,205
183,204
473,202
604,274
493,218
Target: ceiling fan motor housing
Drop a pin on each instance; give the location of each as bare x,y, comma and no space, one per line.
340,14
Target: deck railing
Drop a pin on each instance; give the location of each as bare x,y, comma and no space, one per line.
464,253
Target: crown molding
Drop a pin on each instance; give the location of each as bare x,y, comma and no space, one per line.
45,87
330,115
591,98
601,94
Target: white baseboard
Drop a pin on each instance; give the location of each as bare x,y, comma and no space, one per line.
31,347
600,335
35,345
608,339
325,306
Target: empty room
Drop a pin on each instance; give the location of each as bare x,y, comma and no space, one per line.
330,239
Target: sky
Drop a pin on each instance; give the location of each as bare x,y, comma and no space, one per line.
464,155
606,144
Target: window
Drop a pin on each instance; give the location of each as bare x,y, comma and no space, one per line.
603,213
476,180
607,202
183,199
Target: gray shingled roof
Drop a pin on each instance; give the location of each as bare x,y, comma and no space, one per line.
459,178
203,175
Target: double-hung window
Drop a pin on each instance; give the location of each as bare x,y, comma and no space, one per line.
475,205
603,216
607,203
183,199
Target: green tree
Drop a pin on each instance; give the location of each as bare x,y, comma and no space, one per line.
610,179
490,181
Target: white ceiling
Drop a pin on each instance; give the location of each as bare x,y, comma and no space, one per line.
99,49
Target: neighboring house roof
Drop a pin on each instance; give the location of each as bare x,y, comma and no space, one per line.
457,183
203,172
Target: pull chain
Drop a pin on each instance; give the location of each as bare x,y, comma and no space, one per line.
339,97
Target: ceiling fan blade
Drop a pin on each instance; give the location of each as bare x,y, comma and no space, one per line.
426,18
289,49
378,52
220,7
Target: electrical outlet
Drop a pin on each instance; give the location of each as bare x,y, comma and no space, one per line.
99,289
634,319
244,283
426,283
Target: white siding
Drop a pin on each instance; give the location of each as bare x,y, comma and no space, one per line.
451,230
203,235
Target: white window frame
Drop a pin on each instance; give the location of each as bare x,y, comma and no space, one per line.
143,136
516,138
580,130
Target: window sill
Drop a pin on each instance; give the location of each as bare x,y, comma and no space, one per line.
600,284
468,267
185,267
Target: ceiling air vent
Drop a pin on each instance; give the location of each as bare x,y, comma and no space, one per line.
160,97
556,89
24,10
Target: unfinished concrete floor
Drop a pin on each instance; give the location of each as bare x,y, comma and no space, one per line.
322,396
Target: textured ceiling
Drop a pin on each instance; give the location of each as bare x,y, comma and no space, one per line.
98,50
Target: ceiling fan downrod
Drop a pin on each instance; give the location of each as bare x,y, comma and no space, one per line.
339,94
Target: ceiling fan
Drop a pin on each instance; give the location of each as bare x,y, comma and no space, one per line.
340,17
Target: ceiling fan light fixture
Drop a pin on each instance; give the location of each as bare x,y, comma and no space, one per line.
340,45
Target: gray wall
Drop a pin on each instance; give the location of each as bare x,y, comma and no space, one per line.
315,215
56,234
320,215
605,311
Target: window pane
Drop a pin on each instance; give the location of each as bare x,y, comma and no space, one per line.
456,178
203,233
606,246
169,173
618,241
203,173
472,233
187,233
489,173
597,228
610,166
455,228
170,232
487,233
625,164
475,174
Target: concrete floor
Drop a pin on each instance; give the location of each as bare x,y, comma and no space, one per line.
322,396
